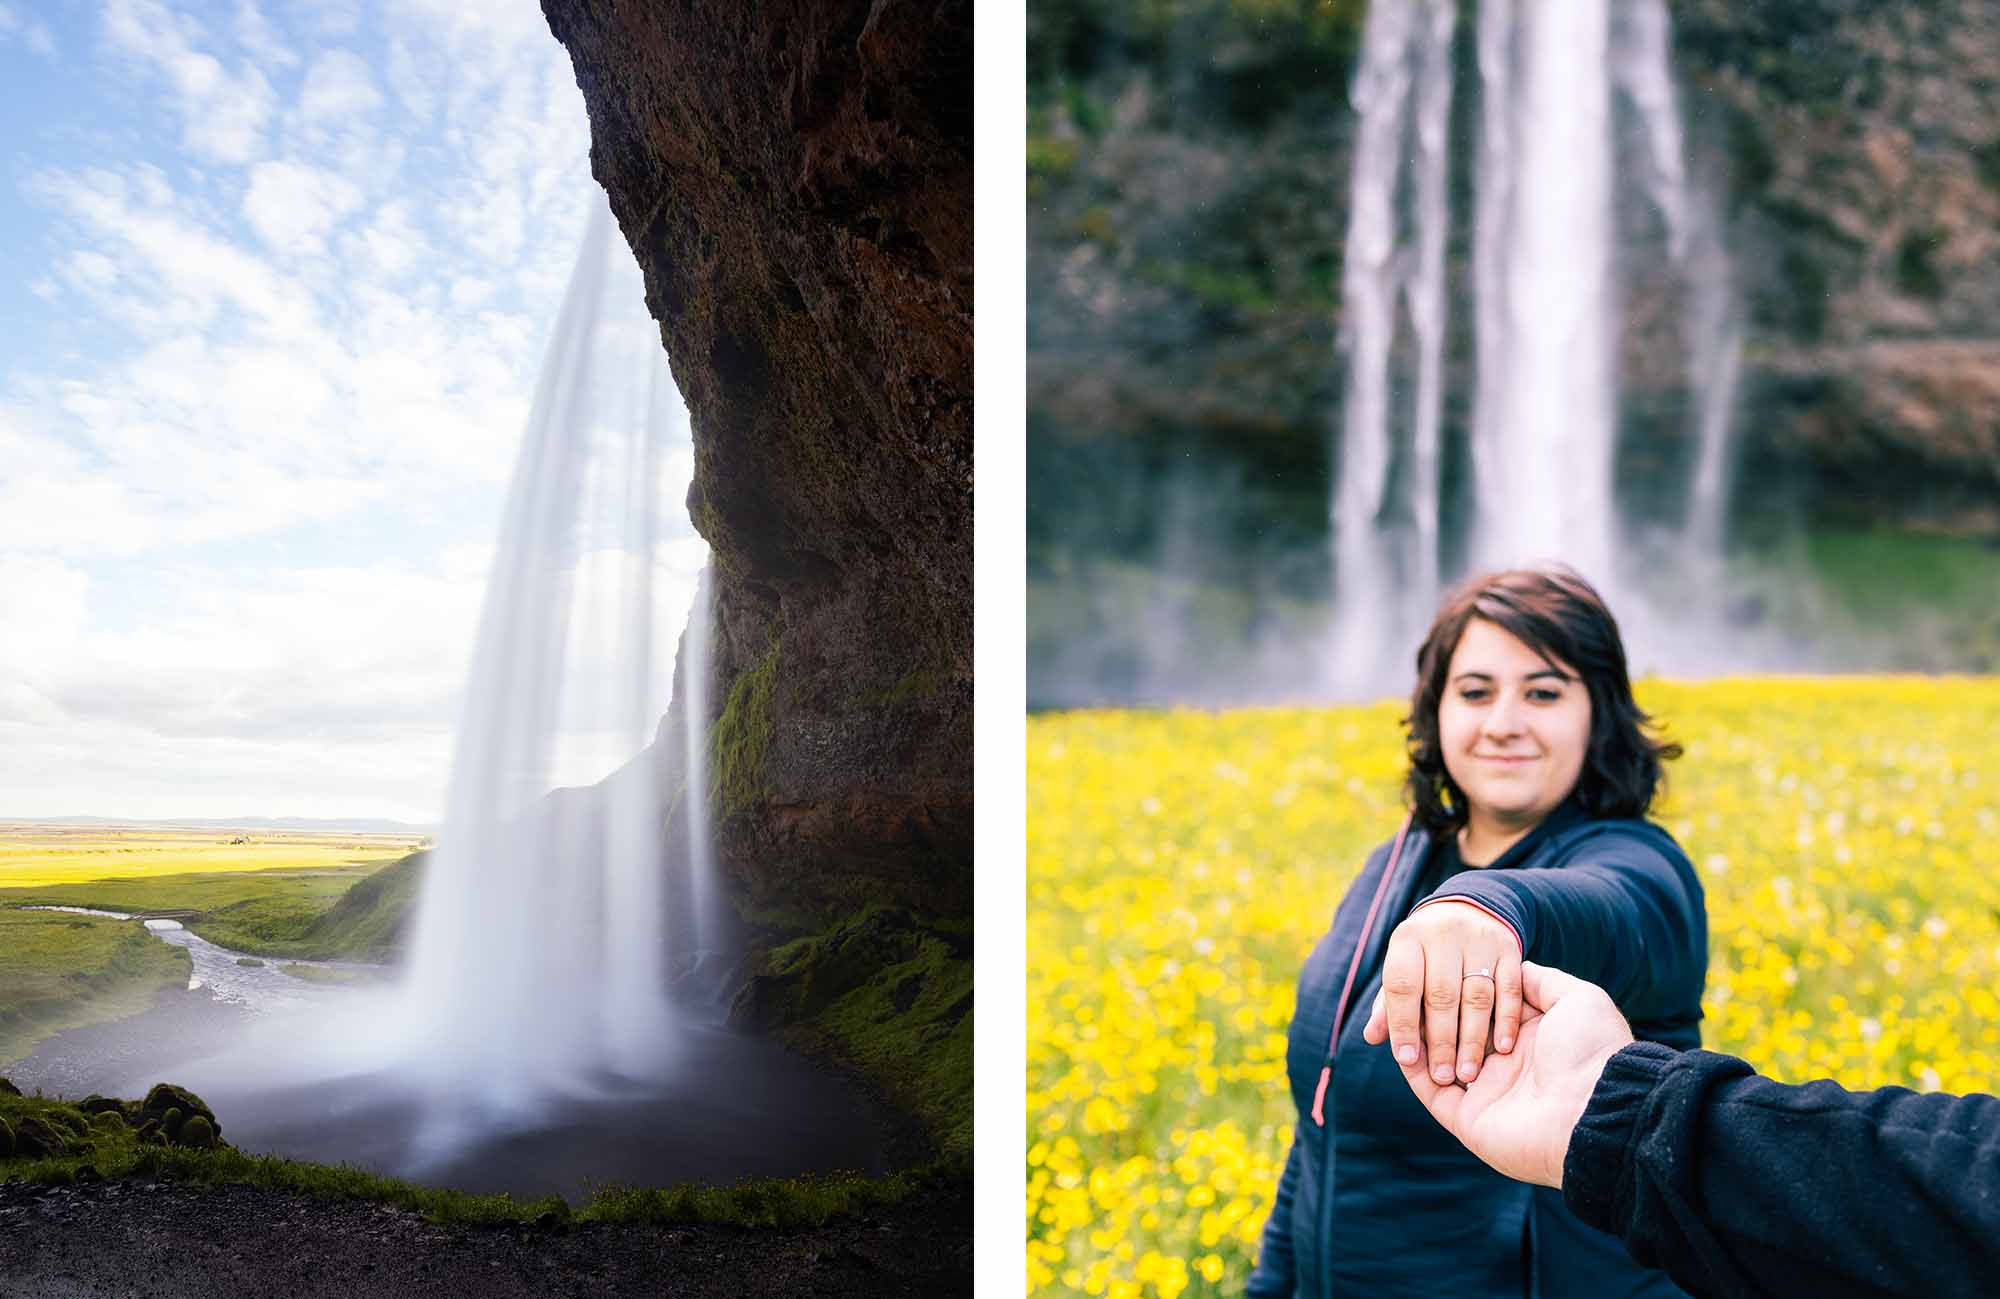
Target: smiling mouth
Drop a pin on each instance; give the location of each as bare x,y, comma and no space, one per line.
1511,761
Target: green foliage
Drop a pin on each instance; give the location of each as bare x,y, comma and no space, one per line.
742,736
6,1139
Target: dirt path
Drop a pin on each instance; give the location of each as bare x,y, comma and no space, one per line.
152,1240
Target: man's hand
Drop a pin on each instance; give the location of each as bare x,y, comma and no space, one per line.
1451,985
1519,1113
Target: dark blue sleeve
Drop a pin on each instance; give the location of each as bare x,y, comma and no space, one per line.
1625,911
1276,1275
1738,1185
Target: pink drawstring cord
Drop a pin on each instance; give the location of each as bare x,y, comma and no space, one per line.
1354,966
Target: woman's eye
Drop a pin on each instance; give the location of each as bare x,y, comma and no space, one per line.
1472,696
1545,696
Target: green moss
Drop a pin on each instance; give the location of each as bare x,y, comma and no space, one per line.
742,737
893,998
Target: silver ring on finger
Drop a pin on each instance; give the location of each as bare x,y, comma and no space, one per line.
1478,974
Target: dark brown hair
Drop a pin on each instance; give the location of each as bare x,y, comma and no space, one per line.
1557,614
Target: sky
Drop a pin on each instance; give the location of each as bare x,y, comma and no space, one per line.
275,282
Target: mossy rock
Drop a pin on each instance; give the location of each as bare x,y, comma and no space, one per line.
108,1121
95,1104
166,1097
36,1138
171,1123
197,1133
148,1130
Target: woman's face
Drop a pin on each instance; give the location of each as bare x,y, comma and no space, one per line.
1514,728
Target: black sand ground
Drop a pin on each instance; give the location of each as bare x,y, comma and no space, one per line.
149,1240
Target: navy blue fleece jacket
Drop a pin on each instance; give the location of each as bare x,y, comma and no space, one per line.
1381,1200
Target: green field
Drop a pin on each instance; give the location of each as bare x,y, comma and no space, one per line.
341,898
61,971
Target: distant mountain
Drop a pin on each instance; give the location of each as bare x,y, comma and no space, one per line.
354,825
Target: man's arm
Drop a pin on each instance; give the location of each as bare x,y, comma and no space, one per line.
1734,1184
1738,1185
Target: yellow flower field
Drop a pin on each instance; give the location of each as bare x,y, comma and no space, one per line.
1181,866
38,856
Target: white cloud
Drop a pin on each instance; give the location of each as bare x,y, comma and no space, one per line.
338,86
255,33
292,206
223,115
255,509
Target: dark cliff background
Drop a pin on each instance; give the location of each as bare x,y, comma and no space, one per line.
796,181
1188,171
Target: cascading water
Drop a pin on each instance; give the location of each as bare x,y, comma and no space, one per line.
540,955
532,1044
705,899
1542,432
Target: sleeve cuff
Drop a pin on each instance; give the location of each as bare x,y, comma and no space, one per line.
1597,1170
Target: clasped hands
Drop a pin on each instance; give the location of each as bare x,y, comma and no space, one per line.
1551,1033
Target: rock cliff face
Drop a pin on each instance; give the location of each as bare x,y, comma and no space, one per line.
796,180
1188,193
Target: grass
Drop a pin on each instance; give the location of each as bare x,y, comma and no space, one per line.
115,1150
60,971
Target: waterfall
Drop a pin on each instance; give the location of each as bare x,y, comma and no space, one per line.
540,959
704,897
1542,430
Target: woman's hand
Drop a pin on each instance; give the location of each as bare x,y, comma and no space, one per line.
1433,997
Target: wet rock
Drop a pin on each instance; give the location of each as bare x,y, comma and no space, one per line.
796,184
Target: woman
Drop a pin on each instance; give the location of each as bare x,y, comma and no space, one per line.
1530,776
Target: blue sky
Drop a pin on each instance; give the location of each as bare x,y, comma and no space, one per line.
275,282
